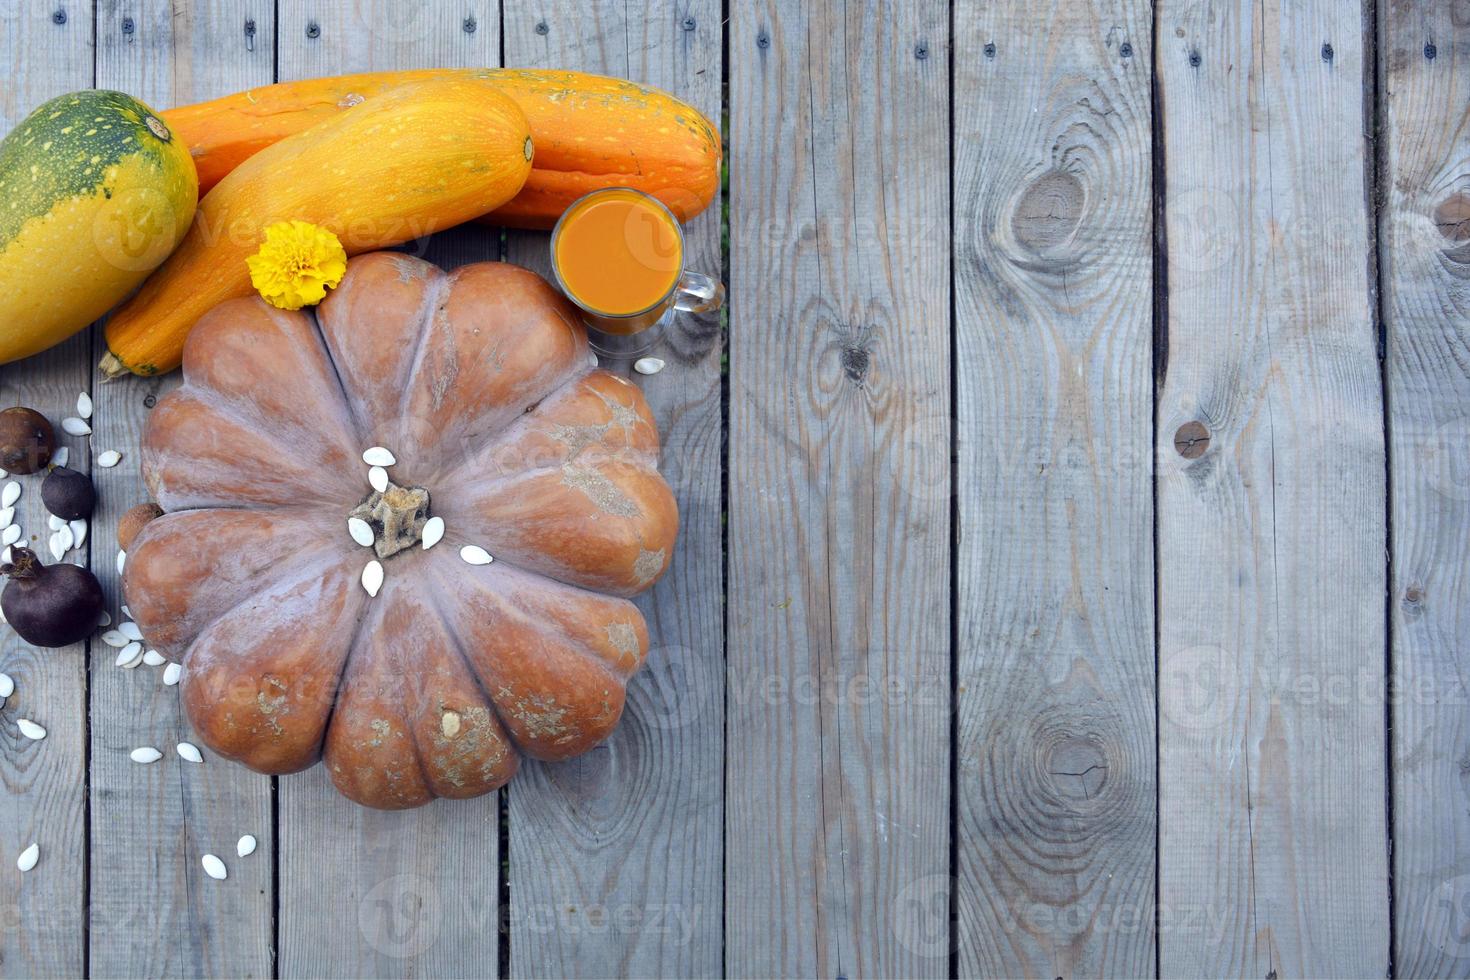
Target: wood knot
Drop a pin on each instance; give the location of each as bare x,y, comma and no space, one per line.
1413,600
1049,211
1192,439
1078,768
1452,218
855,363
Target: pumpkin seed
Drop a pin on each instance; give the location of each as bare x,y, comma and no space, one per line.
126,611
214,867
378,456
122,559
171,675
30,729
115,638
372,577
648,365
7,516
154,659
75,426
145,755
131,631
5,555
7,685
433,531
10,494
104,620
28,858
78,532
188,752
475,555
84,405
130,656
378,477
361,531
55,523
246,847
10,535
61,457
53,544
107,460
4,473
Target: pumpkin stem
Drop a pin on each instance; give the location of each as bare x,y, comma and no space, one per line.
397,517
23,564
111,366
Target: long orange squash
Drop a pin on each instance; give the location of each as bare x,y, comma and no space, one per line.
417,159
590,131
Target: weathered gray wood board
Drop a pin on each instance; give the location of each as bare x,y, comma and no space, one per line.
1053,327
44,782
1425,250
363,892
837,792
614,865
1271,538
153,911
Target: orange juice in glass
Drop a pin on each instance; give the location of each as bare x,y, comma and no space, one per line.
618,254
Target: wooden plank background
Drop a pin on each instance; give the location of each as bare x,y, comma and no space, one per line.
1048,624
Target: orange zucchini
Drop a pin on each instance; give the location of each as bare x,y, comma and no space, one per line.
414,160
590,131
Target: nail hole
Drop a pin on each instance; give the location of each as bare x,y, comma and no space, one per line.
1327,52
542,28
1194,59
921,51
1430,51
1125,49
990,49
313,29
688,24
469,26
59,17
762,40
127,25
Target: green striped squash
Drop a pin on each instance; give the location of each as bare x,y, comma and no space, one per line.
95,192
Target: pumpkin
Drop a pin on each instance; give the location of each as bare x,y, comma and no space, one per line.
418,159
480,386
590,131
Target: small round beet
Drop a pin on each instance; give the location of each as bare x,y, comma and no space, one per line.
133,521
26,440
49,605
68,494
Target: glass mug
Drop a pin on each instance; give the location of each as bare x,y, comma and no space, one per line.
618,255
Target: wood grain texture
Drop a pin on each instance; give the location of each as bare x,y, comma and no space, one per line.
154,912
1425,251
1053,288
838,641
615,857
366,893
43,784
1271,506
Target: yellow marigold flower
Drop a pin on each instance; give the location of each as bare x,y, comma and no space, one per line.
296,264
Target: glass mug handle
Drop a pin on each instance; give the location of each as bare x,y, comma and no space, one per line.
698,293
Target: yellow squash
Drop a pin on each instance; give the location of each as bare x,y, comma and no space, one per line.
413,161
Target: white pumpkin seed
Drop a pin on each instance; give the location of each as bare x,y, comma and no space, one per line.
246,847
372,577
4,473
7,685
84,405
131,631
154,659
188,752
122,559
30,729
55,523
475,555
75,427
130,656
378,477
78,532
107,460
115,638
7,516
10,494
361,531
648,365
433,532
61,457
171,675
65,539
214,867
11,535
54,544
126,611
145,755
378,456
104,620
5,555
28,858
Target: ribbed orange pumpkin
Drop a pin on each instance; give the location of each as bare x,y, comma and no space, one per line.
481,385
